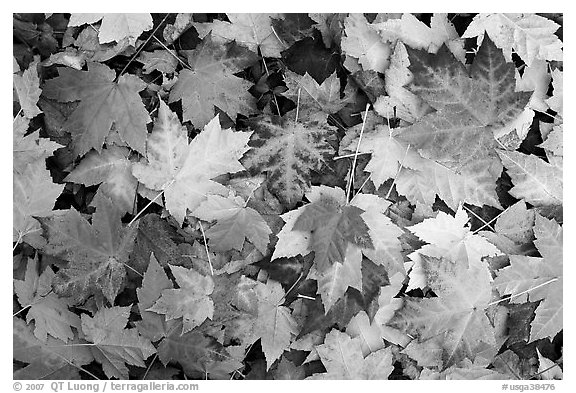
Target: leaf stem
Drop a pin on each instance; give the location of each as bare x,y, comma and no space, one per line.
351,179
298,105
398,172
268,75
478,217
206,247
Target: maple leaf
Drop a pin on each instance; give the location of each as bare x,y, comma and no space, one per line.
253,31
533,279
96,253
476,186
153,326
53,359
113,169
335,279
529,35
313,97
234,223
28,90
190,301
184,171
330,26
556,101
50,312
400,101
451,238
103,103
455,320
535,180
369,332
158,60
418,35
535,78
114,345
197,353
288,151
554,141
28,149
34,195
210,82
275,325
363,42
342,357
115,27
468,105
332,227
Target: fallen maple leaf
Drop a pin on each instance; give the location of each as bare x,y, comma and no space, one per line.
153,326
288,151
96,253
46,360
49,312
312,97
275,325
31,148
529,35
104,103
417,35
158,60
254,31
533,279
342,357
535,180
234,223
332,227
114,346
184,171
468,105
115,27
556,101
28,90
34,195
210,81
363,42
190,301
113,169
455,320
451,238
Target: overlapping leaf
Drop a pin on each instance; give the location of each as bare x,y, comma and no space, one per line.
115,27
182,170
103,102
96,253
114,345
210,81
468,105
288,151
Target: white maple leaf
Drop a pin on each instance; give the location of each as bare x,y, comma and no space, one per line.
115,27
531,36
183,171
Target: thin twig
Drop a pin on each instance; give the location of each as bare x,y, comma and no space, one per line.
291,288
523,292
151,202
150,366
478,217
141,48
24,308
172,54
491,221
350,155
351,179
298,105
206,247
17,115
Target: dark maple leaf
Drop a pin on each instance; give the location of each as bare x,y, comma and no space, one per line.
469,105
287,151
103,102
96,253
332,227
210,81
